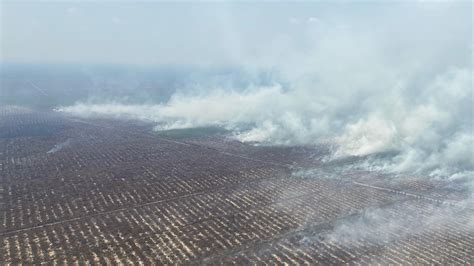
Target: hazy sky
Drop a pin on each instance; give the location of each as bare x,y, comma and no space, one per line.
213,33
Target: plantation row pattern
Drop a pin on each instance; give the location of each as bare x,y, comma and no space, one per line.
77,192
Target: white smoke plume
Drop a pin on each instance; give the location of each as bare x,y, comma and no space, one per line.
382,226
60,146
400,81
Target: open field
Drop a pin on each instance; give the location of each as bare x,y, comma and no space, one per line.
77,191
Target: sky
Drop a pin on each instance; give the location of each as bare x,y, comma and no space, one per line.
160,33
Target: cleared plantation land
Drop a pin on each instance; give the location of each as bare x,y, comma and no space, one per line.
79,191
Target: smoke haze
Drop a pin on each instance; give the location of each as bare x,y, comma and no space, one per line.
386,86
363,79
399,80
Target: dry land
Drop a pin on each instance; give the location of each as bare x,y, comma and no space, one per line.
96,191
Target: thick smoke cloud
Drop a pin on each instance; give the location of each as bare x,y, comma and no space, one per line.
399,81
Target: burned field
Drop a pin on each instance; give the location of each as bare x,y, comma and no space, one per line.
88,191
